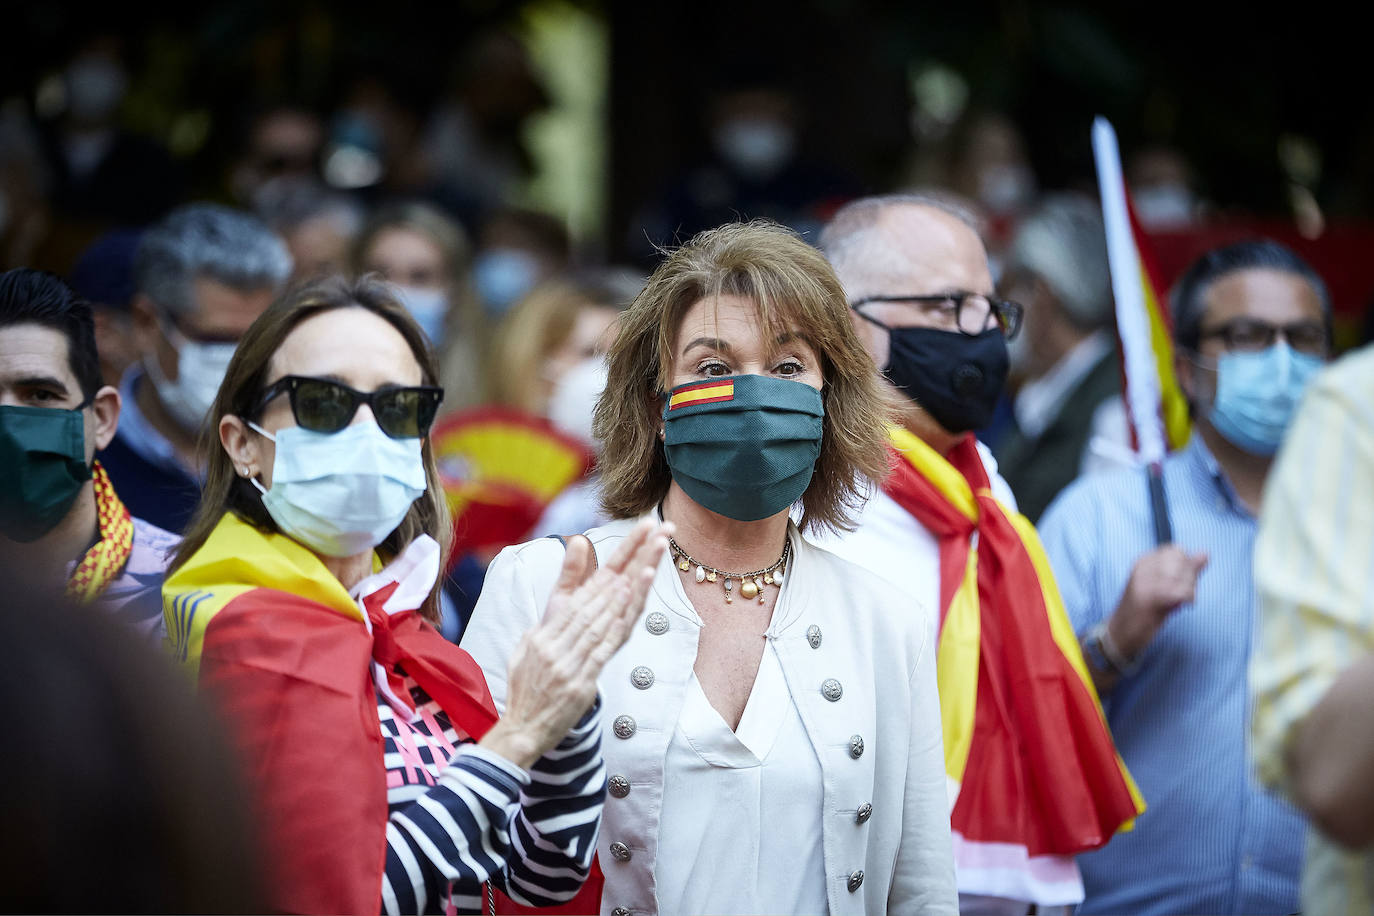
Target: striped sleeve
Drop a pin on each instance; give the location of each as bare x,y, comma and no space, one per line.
531,834
554,832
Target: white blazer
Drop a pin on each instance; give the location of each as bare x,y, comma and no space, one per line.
860,667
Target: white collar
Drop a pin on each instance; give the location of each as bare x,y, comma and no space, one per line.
1039,400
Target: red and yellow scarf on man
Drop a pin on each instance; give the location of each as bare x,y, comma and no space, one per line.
106,559
1024,733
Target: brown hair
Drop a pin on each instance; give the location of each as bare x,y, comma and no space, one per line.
795,289
240,394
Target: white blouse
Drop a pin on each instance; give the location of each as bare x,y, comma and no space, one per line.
752,776
858,672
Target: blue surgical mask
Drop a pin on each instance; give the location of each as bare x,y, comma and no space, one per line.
201,367
1257,394
342,493
429,308
503,276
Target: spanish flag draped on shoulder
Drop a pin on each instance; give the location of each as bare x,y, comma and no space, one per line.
1033,773
296,663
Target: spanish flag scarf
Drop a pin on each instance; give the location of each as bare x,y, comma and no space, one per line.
296,662
106,558
1024,733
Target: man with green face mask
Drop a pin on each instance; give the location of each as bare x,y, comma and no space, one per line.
60,518
1167,630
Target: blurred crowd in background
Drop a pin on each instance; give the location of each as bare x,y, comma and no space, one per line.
516,170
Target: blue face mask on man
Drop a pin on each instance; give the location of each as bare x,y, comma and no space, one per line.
1257,394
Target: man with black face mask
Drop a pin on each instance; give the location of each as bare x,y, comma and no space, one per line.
1034,777
59,515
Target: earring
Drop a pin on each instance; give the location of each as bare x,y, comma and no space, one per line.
660,434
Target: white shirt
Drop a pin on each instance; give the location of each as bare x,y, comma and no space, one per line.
753,775
892,544
859,670
1039,400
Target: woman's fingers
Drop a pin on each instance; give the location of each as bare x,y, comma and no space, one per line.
588,623
578,564
644,531
625,613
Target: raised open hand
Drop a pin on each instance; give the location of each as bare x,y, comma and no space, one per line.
553,671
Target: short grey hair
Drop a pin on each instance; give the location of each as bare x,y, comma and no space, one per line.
855,245
1064,243
208,241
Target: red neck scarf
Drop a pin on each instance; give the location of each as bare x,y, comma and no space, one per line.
1024,734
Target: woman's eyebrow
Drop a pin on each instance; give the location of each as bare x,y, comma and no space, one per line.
714,343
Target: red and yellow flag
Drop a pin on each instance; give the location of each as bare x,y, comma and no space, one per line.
1154,400
1173,406
712,392
1025,738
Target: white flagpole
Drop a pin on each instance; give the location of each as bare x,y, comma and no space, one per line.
1133,323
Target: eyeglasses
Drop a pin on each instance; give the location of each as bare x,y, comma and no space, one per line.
323,406
1245,335
966,311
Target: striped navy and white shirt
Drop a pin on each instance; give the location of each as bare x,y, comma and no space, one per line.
1211,840
461,815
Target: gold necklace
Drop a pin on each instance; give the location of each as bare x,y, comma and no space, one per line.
750,584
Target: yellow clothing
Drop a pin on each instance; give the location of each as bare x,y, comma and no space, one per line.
1312,571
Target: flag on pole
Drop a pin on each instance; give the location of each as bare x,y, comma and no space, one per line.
1154,400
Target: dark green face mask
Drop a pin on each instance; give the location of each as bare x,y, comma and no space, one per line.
42,468
743,446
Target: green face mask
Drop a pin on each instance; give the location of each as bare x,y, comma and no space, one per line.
43,466
743,446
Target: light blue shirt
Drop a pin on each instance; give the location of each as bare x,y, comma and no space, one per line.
1211,840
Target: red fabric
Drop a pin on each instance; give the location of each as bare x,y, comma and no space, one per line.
1042,769
293,678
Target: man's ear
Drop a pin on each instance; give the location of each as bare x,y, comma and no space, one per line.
143,325
104,416
1184,371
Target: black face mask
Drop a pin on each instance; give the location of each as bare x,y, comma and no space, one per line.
957,378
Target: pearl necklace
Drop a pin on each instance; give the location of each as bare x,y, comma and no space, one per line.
751,583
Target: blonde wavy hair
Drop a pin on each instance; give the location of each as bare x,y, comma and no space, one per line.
795,291
537,326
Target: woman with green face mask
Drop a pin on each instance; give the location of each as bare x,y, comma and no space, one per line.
773,736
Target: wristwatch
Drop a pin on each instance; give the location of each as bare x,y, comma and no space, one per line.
1103,654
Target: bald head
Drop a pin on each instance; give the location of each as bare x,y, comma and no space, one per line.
903,245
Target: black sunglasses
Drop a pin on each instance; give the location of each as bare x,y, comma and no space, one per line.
323,406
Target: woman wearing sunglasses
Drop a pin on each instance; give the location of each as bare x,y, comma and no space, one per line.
773,732
302,599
